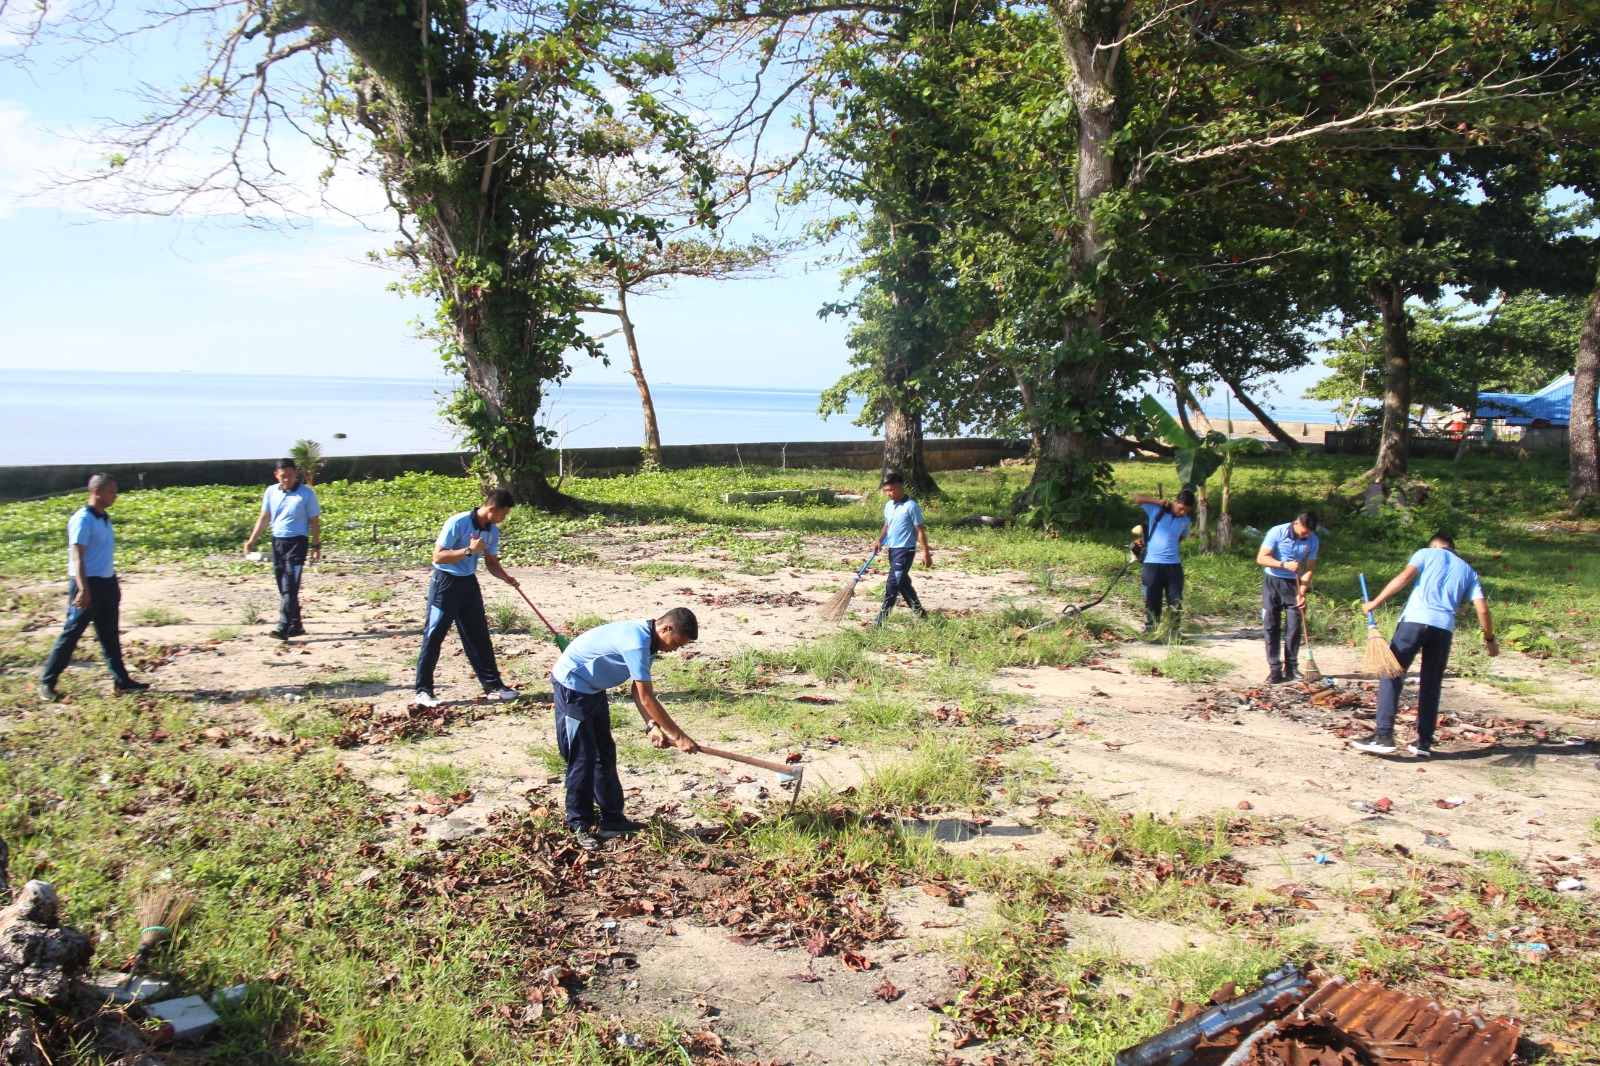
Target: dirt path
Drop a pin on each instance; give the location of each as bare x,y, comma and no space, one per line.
1504,777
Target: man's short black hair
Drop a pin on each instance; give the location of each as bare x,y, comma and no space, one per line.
100,481
893,477
499,498
1185,497
1441,539
1308,519
682,621
285,464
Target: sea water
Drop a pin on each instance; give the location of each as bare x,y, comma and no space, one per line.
49,417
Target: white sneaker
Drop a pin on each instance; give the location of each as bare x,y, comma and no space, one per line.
426,699
503,693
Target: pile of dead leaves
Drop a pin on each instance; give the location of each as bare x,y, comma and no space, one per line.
818,902
749,598
366,724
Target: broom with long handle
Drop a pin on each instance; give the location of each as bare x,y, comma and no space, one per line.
1380,658
561,641
839,602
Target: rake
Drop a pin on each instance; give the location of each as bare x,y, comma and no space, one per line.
788,774
561,641
839,602
1380,658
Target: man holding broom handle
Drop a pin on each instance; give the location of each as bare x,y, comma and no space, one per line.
1287,557
601,659
1427,626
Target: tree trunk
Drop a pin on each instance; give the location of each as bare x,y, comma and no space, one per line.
1391,301
1584,482
1261,416
652,430
1091,37
902,450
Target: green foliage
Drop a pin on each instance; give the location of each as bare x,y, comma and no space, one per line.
156,615
307,456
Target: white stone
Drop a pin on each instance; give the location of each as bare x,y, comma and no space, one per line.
191,1017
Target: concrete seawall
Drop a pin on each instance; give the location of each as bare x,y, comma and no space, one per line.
21,482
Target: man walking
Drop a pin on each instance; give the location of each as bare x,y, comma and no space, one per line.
1287,557
1427,626
454,597
296,519
600,659
93,594
1166,525
902,529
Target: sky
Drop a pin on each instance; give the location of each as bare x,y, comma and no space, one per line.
83,290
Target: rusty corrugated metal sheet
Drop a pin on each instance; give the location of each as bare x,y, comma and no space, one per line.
1343,1023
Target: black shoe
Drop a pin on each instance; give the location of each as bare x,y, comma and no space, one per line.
47,693
1419,751
1275,678
130,685
280,633
883,616
297,631
587,840
1376,744
621,828
1291,674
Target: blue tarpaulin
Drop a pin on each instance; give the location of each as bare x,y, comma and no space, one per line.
1551,405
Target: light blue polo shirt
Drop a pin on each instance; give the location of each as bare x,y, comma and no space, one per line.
457,533
291,512
93,531
901,521
1281,543
1444,583
1161,539
606,656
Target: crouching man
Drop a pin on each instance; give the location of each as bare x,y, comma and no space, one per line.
601,659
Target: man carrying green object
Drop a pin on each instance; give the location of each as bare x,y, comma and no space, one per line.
454,598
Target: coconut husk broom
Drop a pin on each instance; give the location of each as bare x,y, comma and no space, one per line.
1379,658
161,910
1308,669
839,602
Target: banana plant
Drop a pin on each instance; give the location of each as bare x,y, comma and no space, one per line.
1198,458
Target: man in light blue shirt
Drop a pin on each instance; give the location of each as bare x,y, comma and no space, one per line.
296,517
94,595
902,529
1166,525
1287,557
1444,582
454,597
603,658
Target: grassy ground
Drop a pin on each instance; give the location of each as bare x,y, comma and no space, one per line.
362,950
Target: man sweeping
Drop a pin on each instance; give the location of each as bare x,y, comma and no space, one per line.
601,659
902,529
454,597
1427,626
292,509
1166,525
93,593
1287,557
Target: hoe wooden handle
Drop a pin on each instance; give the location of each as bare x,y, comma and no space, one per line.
777,768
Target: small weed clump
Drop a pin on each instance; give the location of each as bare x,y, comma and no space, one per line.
1181,664
508,618
444,778
157,616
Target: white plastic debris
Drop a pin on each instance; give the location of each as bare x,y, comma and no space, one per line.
1571,884
630,1040
191,1018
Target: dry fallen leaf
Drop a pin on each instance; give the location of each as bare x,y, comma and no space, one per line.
803,978
887,992
854,961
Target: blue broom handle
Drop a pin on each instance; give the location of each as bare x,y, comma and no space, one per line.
866,564
1370,620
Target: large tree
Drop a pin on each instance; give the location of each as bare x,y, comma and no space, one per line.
478,120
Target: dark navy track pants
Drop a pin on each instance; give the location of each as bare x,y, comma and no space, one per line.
288,563
103,612
583,735
1433,643
456,600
